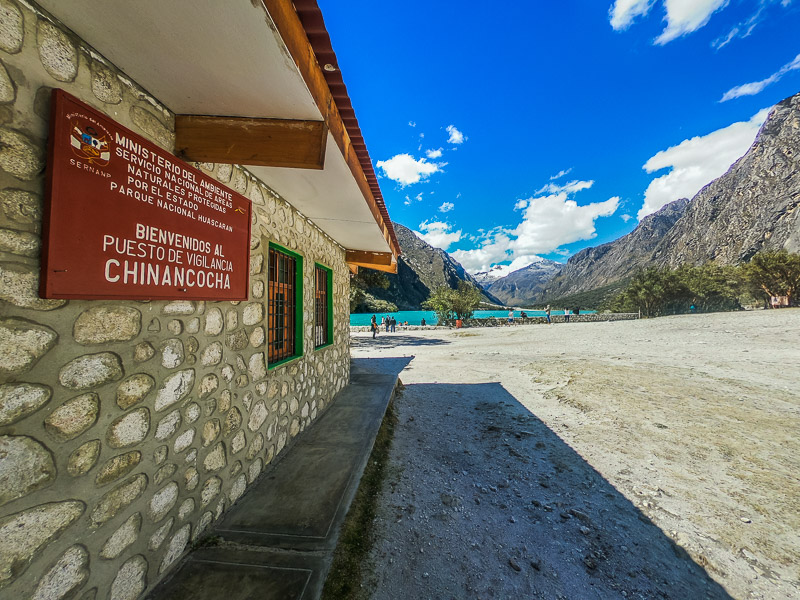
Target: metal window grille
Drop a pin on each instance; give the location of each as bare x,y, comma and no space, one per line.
320,307
281,305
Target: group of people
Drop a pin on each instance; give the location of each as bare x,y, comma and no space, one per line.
547,311
390,323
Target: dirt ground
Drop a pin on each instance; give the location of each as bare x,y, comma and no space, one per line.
639,459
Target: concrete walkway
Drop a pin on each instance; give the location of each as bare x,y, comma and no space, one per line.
278,540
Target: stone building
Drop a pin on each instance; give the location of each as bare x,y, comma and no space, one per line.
127,427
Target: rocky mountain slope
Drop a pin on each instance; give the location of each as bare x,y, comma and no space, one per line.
750,208
525,285
596,267
422,268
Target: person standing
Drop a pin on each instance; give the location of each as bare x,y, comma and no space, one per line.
566,315
393,324
388,323
547,314
373,324
510,316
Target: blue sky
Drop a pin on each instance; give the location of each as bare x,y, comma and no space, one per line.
512,131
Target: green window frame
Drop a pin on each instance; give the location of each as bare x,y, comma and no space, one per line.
323,306
284,305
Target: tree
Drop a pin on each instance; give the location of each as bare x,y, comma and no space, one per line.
448,303
465,300
653,291
774,274
360,283
712,287
440,301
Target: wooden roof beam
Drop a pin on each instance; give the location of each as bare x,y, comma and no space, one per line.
245,141
363,256
380,261
284,16
385,268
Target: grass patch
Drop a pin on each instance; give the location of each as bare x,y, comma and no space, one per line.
345,576
208,541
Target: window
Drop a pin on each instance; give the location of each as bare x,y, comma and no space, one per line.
323,306
284,305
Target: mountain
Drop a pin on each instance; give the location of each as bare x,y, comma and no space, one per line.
599,266
421,268
487,278
524,286
752,207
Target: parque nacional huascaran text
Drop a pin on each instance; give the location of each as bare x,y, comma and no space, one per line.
154,179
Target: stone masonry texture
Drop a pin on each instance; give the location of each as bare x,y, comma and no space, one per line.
128,427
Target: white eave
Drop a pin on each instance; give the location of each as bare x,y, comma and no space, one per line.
209,57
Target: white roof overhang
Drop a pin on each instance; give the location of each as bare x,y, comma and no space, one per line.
206,57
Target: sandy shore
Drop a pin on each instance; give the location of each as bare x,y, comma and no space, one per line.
641,459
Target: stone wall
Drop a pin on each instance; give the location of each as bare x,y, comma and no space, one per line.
554,317
128,428
503,321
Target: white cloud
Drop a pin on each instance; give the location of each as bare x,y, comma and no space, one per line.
410,200
626,217
494,248
570,187
548,222
755,87
438,234
687,16
456,137
625,11
446,207
561,174
555,220
516,265
406,170
520,204
434,153
746,27
412,124
696,162
724,40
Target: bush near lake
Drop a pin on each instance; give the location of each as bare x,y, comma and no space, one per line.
448,303
710,288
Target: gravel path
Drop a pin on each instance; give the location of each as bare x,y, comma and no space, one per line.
636,459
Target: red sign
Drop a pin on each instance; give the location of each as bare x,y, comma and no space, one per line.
125,219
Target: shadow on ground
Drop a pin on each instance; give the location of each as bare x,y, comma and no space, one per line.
512,511
277,541
393,340
384,366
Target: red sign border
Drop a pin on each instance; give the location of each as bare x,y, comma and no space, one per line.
57,99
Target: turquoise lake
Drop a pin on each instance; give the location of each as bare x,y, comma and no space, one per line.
414,317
